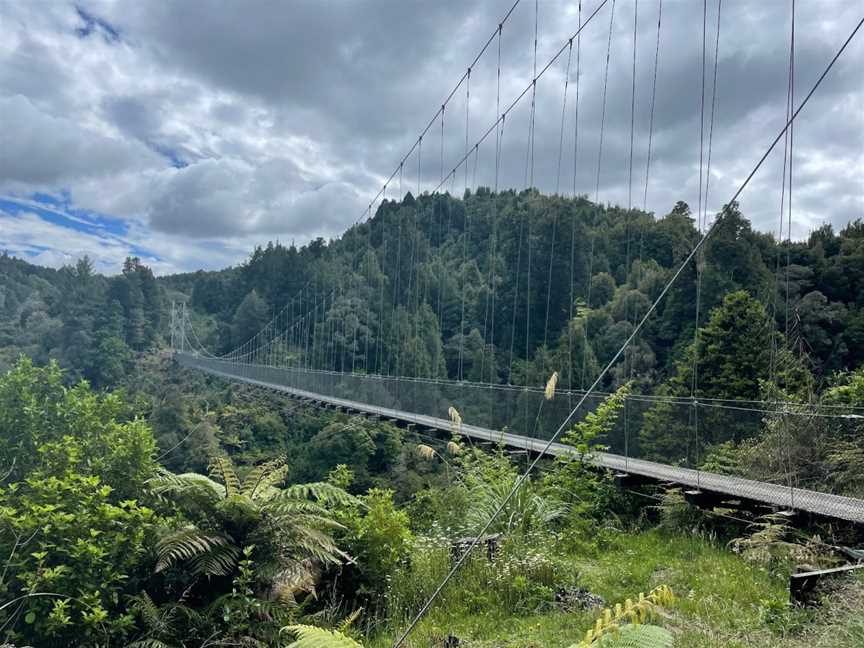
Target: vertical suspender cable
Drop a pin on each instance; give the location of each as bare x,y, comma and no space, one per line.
530,186
595,211
629,224
575,213
466,233
700,260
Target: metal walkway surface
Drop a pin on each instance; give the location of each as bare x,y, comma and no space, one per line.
782,496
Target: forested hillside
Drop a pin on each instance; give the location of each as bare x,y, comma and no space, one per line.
456,267
496,288
152,506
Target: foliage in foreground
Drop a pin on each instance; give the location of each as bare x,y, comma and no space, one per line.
72,520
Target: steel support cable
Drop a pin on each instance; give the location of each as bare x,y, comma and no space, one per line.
489,342
699,244
648,154
466,233
770,406
702,109
465,78
781,241
530,186
651,119
557,190
441,239
416,265
575,214
515,301
629,225
379,347
534,92
596,209
702,216
395,327
563,116
629,216
713,109
368,291
791,101
525,90
200,347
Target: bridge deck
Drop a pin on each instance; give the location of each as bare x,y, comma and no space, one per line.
826,504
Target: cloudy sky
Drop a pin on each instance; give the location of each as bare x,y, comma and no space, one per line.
185,132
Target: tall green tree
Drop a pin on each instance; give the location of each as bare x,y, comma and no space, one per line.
251,315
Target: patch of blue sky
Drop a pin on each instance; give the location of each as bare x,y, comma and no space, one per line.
170,154
56,209
93,23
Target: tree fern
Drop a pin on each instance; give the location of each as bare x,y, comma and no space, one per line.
288,528
312,637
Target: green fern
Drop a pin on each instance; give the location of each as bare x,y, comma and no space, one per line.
148,643
192,544
222,468
263,477
312,637
291,527
612,620
638,636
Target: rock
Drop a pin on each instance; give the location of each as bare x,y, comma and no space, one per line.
577,598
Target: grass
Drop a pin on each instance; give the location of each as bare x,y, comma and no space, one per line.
723,602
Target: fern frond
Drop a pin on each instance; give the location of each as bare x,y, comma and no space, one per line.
222,468
265,475
638,636
185,544
149,643
218,561
146,609
191,485
348,621
312,637
631,614
318,491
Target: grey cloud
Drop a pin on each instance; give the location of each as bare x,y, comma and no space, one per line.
224,198
43,150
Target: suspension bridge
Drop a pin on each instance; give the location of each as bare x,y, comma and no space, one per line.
361,342
424,404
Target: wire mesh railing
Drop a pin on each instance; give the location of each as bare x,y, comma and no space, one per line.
795,455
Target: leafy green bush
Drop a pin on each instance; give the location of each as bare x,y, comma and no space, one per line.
378,538
71,523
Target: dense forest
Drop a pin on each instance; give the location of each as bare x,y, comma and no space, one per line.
146,505
509,272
